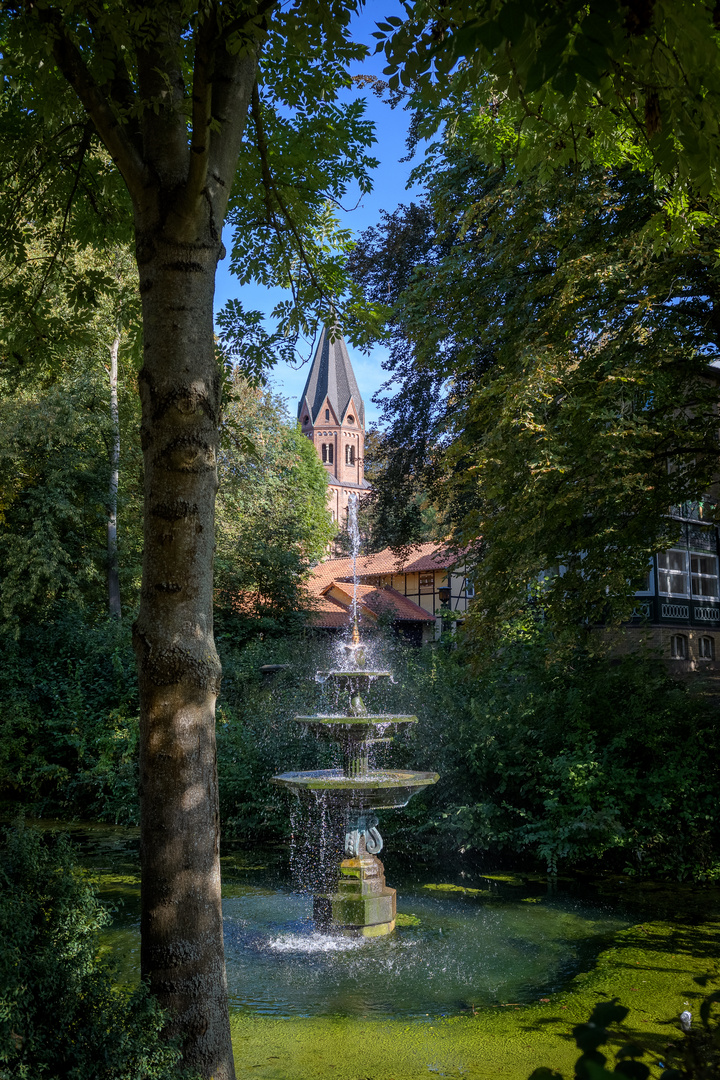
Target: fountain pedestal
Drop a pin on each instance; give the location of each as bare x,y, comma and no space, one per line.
363,905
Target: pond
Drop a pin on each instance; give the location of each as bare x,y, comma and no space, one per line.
484,976
460,943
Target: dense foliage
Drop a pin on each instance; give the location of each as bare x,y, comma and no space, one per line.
57,429
61,1014
551,759
572,759
272,521
551,391
607,82
68,727
68,691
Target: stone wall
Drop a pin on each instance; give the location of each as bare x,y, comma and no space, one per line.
657,641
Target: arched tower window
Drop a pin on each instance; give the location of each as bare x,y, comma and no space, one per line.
327,414
349,455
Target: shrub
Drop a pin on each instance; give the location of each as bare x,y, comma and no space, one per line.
69,719
61,1015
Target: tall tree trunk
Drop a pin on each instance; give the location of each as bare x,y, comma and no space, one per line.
179,671
113,571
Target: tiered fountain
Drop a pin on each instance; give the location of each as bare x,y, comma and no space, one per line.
361,904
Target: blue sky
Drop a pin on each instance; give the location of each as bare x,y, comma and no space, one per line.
389,189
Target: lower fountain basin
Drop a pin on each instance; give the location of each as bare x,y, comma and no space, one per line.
380,789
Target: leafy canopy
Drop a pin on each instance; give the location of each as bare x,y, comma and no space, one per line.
140,70
553,390
272,521
571,82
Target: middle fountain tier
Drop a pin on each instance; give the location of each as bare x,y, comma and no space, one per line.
361,904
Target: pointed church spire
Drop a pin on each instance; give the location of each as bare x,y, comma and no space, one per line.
331,378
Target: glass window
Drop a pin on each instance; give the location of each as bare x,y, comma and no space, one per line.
349,455
678,647
703,570
427,581
327,414
469,589
330,453
646,585
324,451
707,648
672,572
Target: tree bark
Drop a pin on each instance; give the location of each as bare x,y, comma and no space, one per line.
179,190
182,953
114,606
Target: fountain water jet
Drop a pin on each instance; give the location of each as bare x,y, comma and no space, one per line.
361,903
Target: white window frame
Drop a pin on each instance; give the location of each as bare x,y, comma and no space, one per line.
674,573
705,577
650,591
675,653
704,652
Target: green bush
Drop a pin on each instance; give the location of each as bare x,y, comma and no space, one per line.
568,758
69,719
693,1056
61,1015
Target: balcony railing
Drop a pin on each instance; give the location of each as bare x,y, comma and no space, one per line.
666,609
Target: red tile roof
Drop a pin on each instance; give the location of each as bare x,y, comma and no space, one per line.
431,560
372,600
390,600
347,588
421,557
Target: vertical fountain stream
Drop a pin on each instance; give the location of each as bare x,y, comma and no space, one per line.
361,904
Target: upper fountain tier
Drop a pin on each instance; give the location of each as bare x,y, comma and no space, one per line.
356,787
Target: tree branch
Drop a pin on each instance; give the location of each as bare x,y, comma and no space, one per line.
206,44
109,128
271,188
162,92
119,88
233,81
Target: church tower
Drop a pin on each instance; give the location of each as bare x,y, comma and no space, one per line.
332,415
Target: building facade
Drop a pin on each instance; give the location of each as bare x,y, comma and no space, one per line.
419,592
678,610
332,416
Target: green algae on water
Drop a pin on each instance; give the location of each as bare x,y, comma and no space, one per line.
406,920
657,969
463,890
